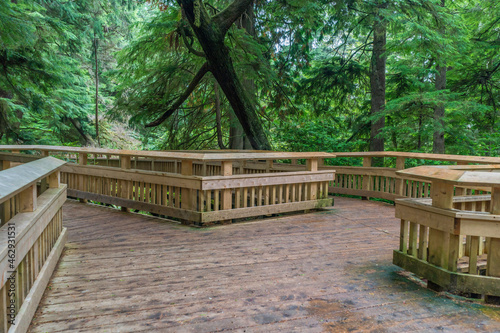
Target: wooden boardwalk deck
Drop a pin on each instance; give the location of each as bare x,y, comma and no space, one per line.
327,271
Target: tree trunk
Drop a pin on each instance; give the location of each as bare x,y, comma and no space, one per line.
218,117
87,140
210,33
236,133
438,142
377,78
238,139
96,94
440,84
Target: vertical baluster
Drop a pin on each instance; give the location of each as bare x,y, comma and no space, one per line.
245,197
412,246
422,242
403,237
473,253
237,198
216,199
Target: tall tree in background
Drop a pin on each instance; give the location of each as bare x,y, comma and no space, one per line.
377,76
210,32
237,138
440,84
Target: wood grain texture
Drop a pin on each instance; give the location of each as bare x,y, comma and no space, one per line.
201,155
327,271
16,180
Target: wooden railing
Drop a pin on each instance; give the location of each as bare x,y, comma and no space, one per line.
452,239
449,232
198,188
31,236
386,183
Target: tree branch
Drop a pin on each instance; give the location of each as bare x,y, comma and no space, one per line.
230,14
194,83
190,46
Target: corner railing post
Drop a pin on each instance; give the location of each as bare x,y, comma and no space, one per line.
186,193
443,246
125,185
400,183
226,199
367,180
312,165
82,160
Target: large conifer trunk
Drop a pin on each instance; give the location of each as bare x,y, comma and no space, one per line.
210,33
438,137
377,79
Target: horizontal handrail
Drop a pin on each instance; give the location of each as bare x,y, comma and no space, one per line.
463,176
423,156
162,178
215,155
264,179
15,180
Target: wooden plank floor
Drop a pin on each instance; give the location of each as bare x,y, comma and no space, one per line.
327,271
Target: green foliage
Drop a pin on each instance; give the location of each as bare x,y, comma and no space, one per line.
305,63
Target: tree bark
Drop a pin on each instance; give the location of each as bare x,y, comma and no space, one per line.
440,84
87,140
96,93
438,140
237,138
218,117
210,33
377,78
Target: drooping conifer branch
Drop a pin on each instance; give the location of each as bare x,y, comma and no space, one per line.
230,14
194,83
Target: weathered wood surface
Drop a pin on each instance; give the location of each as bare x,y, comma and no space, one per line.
16,180
328,271
423,156
204,155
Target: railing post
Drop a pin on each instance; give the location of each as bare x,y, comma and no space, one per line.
367,180
243,165
443,246
54,179
269,165
186,193
28,200
312,165
400,165
227,200
45,153
82,160
493,260
125,163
